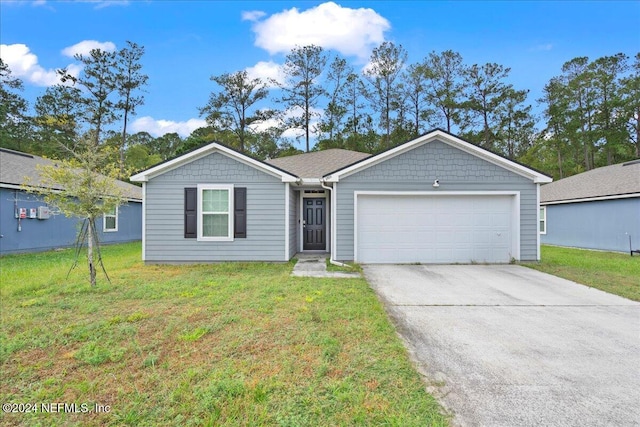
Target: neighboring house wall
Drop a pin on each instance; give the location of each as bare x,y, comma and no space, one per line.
164,234
58,231
293,222
415,170
604,225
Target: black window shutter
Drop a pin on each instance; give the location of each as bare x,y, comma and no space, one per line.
190,213
240,212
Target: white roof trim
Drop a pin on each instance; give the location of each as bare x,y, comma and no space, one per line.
204,151
591,199
440,135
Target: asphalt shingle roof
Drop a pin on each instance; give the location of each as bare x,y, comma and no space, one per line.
316,164
16,166
614,180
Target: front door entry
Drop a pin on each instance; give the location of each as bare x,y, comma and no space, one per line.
314,227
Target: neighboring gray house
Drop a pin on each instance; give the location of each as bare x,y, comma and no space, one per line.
435,199
28,225
598,209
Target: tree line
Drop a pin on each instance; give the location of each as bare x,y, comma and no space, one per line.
590,111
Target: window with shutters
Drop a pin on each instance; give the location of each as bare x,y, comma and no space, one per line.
215,212
207,201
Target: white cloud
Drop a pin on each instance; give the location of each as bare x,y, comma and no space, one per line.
24,65
252,15
352,32
161,127
106,3
293,133
85,47
99,3
265,71
542,47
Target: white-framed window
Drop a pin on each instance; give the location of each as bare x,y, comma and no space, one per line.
215,212
543,220
110,221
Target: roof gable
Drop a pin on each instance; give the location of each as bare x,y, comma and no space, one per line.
214,147
449,139
607,182
316,164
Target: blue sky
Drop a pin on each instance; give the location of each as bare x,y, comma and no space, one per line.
188,41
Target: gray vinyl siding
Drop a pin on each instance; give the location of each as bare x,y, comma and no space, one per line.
164,232
293,222
604,224
58,231
417,169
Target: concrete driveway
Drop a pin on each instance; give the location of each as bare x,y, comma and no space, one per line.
504,345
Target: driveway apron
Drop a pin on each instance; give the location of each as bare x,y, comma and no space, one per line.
504,345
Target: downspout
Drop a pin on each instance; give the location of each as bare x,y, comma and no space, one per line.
333,229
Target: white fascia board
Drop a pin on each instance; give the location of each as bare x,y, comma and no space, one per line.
308,182
448,139
204,151
591,199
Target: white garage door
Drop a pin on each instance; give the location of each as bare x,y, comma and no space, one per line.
434,228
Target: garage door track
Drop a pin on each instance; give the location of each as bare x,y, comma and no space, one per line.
504,345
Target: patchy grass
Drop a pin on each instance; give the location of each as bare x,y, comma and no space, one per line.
612,272
222,344
353,268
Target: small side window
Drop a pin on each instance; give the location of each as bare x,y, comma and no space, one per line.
543,220
110,221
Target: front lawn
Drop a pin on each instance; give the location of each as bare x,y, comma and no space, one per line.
223,344
616,273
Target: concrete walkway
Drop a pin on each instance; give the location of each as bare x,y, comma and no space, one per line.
315,265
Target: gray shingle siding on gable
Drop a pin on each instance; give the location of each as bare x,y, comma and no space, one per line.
164,232
604,225
416,170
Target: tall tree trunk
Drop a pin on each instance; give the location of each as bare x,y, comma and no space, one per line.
560,161
306,120
90,245
487,144
387,121
124,141
447,115
243,126
638,136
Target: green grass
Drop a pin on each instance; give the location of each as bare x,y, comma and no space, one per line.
222,344
616,273
352,268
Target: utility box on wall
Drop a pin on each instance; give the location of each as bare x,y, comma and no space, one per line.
43,212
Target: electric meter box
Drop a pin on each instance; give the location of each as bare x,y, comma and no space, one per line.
43,212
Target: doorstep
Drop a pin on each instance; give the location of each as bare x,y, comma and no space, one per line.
315,265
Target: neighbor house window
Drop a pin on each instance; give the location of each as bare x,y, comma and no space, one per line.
110,220
215,212
543,220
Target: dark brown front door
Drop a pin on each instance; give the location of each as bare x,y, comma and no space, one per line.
314,225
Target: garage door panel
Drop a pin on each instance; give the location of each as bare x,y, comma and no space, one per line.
434,229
